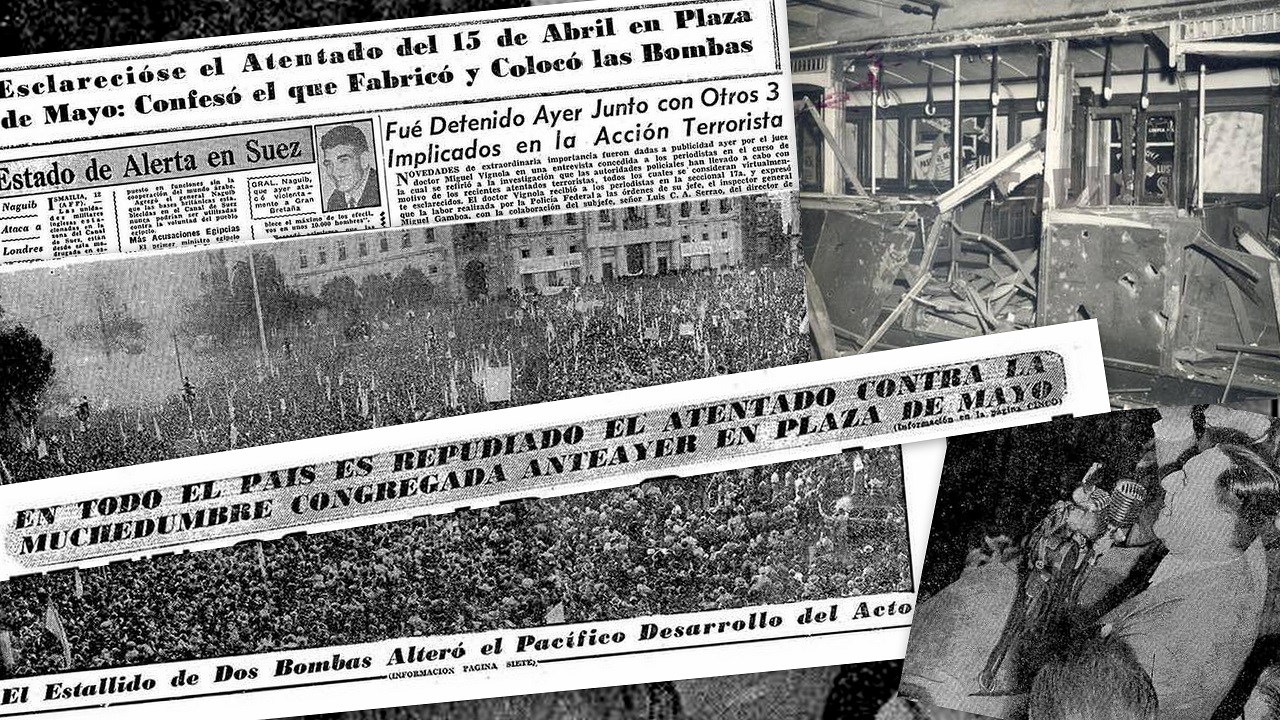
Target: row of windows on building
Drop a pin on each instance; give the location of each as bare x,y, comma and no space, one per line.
550,250
554,278
1144,153
362,249
631,215
573,276
634,214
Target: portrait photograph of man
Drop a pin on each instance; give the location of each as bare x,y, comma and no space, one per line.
347,178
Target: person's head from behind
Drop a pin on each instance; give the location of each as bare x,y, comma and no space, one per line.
1220,499
1095,678
1264,701
345,153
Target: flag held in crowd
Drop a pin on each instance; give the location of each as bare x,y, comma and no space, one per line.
555,614
7,658
262,558
53,623
497,383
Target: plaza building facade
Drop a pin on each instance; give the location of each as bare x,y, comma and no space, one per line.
309,264
551,251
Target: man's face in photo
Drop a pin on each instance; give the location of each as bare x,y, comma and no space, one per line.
348,166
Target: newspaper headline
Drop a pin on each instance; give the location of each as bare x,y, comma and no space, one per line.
454,666
498,455
187,144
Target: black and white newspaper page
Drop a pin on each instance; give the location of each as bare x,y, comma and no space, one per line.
977,167
740,523
586,106
455,358
825,693
1131,553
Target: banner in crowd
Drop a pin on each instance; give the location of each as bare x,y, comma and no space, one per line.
549,449
388,125
739,570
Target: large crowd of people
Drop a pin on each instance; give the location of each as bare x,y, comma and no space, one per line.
338,374
726,540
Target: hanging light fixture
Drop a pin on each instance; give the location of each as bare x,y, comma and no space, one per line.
1144,100
930,108
1107,90
995,77
1042,82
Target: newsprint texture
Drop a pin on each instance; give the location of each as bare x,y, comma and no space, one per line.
422,562
401,470
389,125
1131,554
975,167
846,692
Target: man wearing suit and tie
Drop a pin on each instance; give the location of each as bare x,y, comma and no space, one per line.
345,157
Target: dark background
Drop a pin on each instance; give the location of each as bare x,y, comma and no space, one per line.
1003,482
40,26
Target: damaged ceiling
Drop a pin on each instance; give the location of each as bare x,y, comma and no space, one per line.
868,25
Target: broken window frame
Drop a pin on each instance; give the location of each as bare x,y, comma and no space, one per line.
809,137
859,154
1235,100
1134,140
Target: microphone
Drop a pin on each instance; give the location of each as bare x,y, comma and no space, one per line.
1126,503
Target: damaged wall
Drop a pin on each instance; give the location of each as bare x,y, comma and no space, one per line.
1121,266
869,247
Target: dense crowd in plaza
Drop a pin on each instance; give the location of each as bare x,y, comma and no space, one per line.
733,539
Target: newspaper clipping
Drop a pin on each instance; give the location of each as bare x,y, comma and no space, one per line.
389,125
502,398
451,603
976,167
848,691
415,579
1132,553
127,511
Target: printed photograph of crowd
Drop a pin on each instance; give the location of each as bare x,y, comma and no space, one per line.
135,360
833,526
1117,566
847,692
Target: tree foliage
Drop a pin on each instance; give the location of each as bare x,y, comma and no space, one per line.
340,296
470,239
225,316
411,288
375,292
26,369
115,327
475,281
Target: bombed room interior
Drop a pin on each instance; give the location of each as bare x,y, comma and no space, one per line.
1114,160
